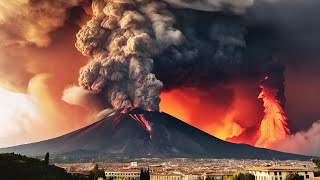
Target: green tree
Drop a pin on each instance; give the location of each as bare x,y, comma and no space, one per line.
249,176
46,159
243,176
294,176
96,173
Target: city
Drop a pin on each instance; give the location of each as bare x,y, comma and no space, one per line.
194,169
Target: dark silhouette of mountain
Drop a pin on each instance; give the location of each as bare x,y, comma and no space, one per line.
137,133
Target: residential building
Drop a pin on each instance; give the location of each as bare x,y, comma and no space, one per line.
134,164
217,175
279,172
129,175
191,177
165,177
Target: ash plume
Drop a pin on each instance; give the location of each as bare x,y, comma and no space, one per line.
121,39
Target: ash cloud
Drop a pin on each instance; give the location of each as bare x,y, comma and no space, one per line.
121,39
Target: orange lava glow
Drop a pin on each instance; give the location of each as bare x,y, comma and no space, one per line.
273,127
204,111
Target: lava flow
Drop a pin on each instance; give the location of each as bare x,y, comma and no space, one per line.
138,117
273,127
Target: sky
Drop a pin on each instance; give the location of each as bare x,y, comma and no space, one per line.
197,60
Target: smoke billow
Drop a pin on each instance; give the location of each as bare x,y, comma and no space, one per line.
121,38
304,142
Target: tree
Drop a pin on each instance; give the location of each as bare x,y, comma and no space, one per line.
294,176
46,159
96,173
316,161
144,174
249,176
243,176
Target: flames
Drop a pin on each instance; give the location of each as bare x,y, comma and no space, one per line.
273,127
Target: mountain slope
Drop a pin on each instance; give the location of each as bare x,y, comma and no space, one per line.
139,133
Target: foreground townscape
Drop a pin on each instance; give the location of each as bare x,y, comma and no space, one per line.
197,169
157,169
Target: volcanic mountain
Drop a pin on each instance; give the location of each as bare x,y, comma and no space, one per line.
138,133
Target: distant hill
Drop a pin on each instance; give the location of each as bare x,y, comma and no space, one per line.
138,133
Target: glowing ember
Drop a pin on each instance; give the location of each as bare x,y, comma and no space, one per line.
273,127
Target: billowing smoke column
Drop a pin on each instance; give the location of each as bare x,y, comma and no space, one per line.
121,39
126,39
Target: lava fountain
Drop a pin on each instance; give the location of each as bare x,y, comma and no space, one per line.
273,127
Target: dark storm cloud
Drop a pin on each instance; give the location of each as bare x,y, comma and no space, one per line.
284,25
238,6
289,30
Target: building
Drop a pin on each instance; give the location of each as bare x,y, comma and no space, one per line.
191,177
132,175
217,176
279,172
165,177
134,164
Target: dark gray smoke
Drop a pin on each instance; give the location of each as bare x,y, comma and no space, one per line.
122,38
128,40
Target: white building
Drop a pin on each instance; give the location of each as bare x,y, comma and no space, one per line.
134,164
132,175
165,177
217,176
191,177
279,172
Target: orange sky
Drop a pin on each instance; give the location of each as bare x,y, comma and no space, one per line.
43,74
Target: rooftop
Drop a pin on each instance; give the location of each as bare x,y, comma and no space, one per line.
279,168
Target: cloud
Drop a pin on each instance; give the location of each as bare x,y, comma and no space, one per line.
78,96
304,142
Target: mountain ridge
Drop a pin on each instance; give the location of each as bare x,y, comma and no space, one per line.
138,133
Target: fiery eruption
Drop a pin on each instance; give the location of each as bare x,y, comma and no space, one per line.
273,127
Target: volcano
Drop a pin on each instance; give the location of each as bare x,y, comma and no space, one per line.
137,133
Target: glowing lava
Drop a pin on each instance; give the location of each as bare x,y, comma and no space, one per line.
273,127
139,118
